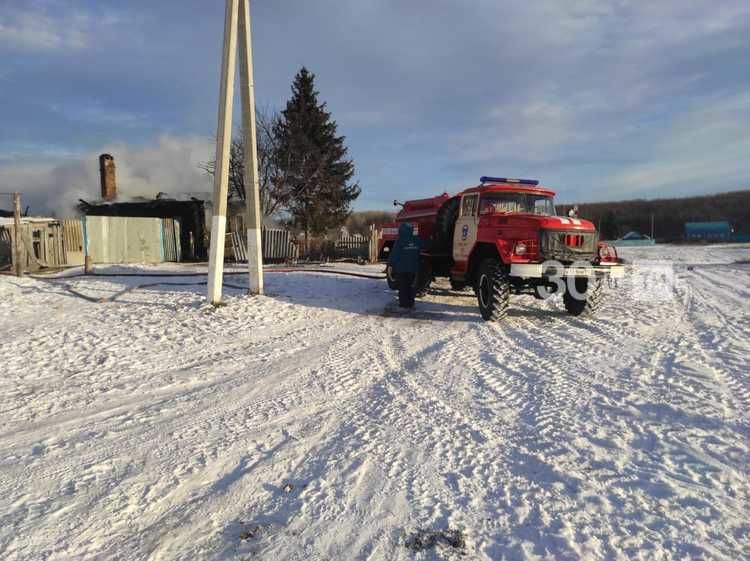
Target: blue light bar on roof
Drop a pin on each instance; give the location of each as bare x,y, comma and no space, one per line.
486,179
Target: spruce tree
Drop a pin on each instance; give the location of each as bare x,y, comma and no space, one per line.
609,226
312,161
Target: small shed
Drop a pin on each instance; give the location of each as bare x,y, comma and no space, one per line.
42,243
708,231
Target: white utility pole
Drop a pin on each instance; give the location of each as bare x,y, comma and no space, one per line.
253,216
223,145
237,17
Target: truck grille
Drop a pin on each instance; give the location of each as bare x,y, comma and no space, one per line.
568,246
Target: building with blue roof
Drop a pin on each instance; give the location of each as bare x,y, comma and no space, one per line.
717,231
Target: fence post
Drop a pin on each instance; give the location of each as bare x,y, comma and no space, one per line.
88,262
374,243
18,265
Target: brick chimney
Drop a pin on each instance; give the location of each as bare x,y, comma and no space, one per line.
107,174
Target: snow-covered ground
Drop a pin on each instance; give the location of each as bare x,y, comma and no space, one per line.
139,423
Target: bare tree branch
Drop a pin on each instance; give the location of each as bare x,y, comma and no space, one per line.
274,193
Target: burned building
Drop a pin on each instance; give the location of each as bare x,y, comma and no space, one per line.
189,211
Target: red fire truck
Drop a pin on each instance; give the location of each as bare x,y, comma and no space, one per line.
504,237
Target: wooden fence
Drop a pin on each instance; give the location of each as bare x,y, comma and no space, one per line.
358,246
73,241
6,249
278,246
41,244
352,247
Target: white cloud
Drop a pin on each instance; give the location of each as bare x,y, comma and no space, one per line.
93,111
531,130
704,150
37,28
54,185
37,31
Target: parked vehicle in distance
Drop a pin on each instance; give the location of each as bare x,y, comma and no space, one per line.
632,239
635,236
503,236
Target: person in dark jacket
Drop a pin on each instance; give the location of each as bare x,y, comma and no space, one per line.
404,262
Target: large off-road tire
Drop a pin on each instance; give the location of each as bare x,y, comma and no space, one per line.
493,290
390,277
591,290
445,224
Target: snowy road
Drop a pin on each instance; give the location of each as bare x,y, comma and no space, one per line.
306,425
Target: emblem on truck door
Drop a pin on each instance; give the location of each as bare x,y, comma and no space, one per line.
465,232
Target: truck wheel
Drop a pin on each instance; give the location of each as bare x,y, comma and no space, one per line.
591,291
391,278
493,290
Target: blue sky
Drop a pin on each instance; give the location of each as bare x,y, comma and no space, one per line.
599,100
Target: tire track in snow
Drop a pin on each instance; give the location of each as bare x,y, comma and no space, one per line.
476,354
179,427
554,390
719,343
340,386
437,450
264,349
368,441
127,376
683,371
411,425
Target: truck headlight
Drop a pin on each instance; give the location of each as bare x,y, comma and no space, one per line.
520,248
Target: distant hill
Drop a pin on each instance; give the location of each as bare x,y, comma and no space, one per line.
614,219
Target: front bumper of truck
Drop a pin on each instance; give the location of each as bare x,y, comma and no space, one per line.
549,270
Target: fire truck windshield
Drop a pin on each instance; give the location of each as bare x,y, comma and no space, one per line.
502,203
